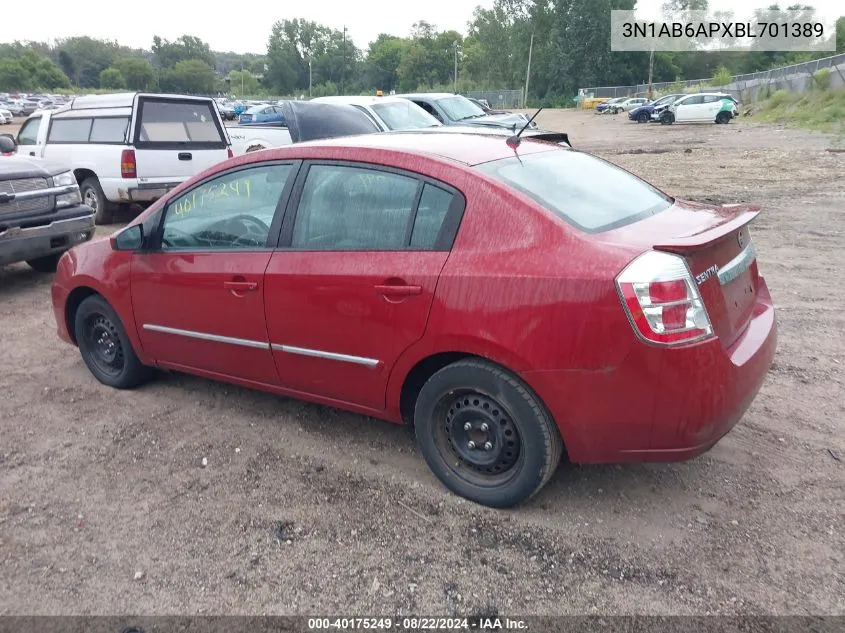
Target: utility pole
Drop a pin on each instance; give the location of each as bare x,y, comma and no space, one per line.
456,66
343,70
242,79
309,76
650,69
528,70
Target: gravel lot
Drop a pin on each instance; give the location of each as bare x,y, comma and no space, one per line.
105,506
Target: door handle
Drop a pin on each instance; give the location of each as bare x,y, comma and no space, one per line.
240,286
398,290
185,156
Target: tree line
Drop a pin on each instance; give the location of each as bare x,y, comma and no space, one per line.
569,41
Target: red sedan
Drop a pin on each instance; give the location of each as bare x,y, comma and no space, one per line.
511,303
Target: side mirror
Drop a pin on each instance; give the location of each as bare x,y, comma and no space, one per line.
8,144
129,239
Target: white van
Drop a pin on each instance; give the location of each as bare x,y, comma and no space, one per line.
129,147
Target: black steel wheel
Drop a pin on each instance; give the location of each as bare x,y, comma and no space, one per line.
105,347
643,117
485,435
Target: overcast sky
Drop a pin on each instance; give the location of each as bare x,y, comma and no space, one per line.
245,27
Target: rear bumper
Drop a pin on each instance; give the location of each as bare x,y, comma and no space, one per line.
661,404
129,190
67,229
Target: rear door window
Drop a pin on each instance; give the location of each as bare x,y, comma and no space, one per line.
587,192
178,123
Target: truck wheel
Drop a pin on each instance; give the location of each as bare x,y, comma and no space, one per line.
254,148
485,435
46,264
105,347
93,196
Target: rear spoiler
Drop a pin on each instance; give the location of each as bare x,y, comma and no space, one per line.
736,216
551,137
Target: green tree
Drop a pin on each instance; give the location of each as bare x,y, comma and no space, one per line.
191,76
243,83
111,78
382,63
138,73
13,75
167,54
89,58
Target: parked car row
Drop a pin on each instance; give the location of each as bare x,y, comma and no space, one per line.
713,107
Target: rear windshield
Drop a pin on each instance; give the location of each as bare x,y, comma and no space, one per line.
588,192
178,122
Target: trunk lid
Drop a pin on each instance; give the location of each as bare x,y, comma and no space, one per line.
176,137
716,244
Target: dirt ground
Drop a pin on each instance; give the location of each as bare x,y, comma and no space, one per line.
106,508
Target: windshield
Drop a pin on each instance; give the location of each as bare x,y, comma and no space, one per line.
459,108
588,192
404,115
666,100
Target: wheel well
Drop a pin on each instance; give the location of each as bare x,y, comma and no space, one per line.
418,376
76,297
82,174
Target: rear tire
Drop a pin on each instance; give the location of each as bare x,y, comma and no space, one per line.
485,435
105,347
46,264
93,196
723,117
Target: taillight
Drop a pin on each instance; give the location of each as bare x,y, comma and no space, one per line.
662,301
128,168
230,153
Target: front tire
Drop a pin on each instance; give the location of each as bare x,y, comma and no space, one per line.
485,435
667,118
93,196
46,264
643,117
105,347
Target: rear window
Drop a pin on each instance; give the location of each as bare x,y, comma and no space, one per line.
182,122
588,192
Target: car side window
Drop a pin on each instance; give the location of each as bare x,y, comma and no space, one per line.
28,134
711,98
233,211
434,205
345,208
430,109
693,101
69,131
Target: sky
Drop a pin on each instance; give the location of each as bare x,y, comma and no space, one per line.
245,28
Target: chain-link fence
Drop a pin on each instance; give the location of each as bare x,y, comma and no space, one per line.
795,78
498,98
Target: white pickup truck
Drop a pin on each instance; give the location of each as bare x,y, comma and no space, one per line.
130,147
251,138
